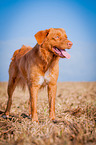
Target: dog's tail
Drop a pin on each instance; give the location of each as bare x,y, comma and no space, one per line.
20,52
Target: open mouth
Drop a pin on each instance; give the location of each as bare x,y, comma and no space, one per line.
61,52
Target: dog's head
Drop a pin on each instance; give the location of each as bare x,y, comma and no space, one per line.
55,40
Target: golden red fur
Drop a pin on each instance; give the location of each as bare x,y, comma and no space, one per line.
21,52
37,67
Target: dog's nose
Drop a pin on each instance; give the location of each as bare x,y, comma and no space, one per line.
69,44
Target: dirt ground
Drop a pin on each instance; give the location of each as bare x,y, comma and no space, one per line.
75,122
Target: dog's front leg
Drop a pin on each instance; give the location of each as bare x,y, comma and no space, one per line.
33,102
51,95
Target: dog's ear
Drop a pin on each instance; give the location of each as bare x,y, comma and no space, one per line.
41,35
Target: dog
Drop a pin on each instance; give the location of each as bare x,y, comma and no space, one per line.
37,67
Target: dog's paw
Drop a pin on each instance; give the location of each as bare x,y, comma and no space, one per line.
5,116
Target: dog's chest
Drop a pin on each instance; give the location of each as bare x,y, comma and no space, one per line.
43,80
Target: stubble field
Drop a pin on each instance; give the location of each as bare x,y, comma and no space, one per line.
75,122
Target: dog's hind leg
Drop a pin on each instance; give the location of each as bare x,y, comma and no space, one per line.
11,87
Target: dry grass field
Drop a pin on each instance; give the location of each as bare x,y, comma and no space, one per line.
75,117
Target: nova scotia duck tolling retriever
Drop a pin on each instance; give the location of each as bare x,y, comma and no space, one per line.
37,67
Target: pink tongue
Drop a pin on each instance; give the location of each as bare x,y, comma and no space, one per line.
67,55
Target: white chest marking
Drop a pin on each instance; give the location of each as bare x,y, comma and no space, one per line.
45,78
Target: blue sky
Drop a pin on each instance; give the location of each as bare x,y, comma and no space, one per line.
21,19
